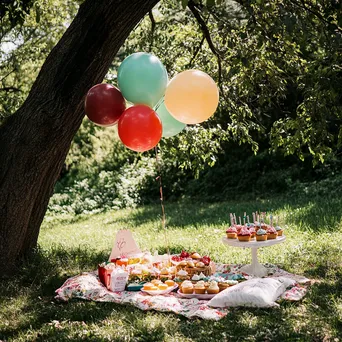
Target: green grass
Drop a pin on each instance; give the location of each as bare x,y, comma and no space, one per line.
69,245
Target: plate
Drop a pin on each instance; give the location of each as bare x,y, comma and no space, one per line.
198,296
160,292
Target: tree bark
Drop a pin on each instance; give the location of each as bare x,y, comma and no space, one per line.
35,140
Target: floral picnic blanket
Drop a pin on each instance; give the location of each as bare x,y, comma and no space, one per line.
88,286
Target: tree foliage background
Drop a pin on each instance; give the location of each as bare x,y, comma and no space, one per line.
278,65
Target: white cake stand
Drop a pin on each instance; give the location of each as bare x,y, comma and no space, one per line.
255,268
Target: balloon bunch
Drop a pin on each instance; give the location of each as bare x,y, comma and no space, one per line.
160,109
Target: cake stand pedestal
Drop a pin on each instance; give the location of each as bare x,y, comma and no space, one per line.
255,268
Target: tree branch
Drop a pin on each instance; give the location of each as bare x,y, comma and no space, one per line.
16,90
196,51
207,36
6,75
153,27
203,27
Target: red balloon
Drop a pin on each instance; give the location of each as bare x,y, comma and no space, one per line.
140,128
104,104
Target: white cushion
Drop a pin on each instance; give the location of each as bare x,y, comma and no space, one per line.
257,292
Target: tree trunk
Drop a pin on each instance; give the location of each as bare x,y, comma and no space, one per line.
35,140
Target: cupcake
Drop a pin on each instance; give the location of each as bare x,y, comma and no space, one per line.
164,274
231,282
199,288
213,288
162,287
231,233
261,235
244,235
183,275
271,233
148,286
169,283
187,287
279,230
238,227
264,226
223,285
252,231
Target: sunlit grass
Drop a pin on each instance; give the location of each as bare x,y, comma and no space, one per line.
70,245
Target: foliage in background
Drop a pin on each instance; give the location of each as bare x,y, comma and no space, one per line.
24,45
278,67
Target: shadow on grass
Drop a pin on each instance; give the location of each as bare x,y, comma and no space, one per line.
41,318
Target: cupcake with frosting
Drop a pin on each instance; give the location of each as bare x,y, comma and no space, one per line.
213,288
182,275
223,285
244,235
252,231
271,233
195,278
261,235
279,230
231,233
164,274
187,287
238,227
199,287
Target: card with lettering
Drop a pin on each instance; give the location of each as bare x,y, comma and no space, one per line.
124,245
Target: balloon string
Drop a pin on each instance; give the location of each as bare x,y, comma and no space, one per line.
159,103
162,201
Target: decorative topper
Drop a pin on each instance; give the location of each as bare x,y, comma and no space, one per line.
124,245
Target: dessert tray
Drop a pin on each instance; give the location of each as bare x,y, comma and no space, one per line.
194,295
160,292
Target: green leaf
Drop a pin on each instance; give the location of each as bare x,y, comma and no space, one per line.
210,3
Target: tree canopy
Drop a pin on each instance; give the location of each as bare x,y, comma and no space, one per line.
277,64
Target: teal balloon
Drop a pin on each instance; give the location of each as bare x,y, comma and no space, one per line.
171,126
142,79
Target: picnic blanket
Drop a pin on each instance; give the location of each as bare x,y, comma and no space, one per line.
87,286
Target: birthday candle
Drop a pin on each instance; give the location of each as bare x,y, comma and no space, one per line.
248,219
240,220
244,218
231,219
253,217
234,218
271,220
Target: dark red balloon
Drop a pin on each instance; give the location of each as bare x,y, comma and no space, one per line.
104,104
140,128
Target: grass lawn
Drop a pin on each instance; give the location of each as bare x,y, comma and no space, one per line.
69,245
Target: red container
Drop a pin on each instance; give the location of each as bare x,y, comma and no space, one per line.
104,275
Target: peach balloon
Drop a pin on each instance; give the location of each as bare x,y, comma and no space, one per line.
191,97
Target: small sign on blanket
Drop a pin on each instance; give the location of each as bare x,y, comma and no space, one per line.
124,245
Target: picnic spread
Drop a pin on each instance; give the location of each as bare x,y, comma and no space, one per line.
188,283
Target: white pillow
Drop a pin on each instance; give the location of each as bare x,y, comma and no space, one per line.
257,292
